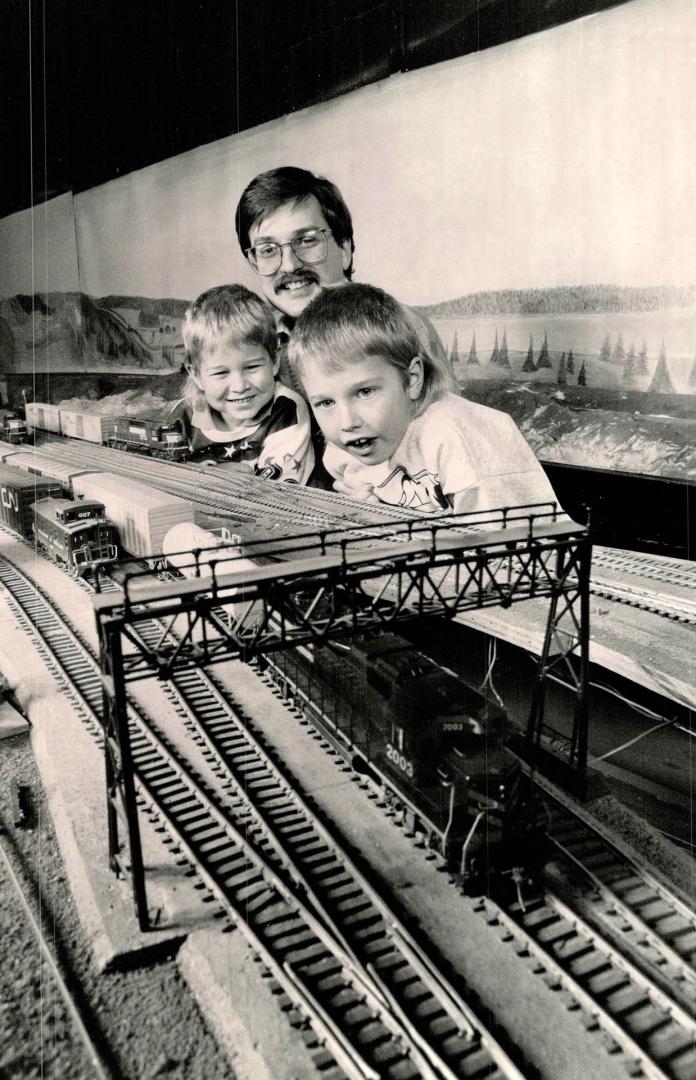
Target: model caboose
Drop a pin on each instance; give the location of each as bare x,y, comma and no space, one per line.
75,532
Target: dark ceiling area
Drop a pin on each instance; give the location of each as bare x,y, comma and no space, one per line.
94,89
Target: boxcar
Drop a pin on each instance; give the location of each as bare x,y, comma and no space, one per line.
18,492
43,416
42,464
142,515
83,424
7,450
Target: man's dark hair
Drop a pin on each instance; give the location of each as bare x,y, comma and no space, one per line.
270,190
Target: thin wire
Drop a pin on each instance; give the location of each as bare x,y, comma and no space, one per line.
492,656
631,742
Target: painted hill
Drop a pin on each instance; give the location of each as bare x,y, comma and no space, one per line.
73,332
565,299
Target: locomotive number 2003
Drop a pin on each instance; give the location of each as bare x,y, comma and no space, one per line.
399,760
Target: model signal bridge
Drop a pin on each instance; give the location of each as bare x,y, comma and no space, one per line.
317,587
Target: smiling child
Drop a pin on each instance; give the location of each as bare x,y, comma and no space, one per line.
394,433
234,408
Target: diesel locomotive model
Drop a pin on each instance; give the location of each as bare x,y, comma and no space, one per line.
434,744
13,429
159,438
75,532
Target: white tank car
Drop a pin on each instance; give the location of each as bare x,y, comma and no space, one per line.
218,546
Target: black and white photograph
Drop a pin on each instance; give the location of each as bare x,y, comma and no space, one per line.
347,581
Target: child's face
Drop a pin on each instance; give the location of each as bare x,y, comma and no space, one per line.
364,408
237,380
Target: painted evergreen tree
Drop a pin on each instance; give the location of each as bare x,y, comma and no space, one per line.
495,355
629,369
619,352
692,376
570,363
642,365
605,351
661,381
561,374
582,377
529,364
472,358
454,354
503,358
543,360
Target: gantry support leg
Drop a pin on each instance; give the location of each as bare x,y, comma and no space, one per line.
120,782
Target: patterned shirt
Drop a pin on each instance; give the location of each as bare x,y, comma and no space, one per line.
277,445
455,454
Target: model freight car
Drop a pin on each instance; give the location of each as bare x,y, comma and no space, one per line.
18,493
142,515
43,416
84,424
75,532
159,437
42,464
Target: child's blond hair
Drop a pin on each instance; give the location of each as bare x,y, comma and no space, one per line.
225,313
355,320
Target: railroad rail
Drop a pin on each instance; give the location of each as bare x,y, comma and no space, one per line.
653,1036
337,954
675,571
611,980
68,997
679,609
336,583
642,914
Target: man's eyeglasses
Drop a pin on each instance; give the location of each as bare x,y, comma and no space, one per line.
311,247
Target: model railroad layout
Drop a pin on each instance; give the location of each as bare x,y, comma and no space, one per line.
617,943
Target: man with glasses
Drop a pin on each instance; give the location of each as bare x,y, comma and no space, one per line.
297,234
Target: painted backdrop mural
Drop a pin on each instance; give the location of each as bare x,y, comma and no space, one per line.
535,200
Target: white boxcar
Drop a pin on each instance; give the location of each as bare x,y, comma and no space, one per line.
142,515
43,416
7,450
79,424
44,465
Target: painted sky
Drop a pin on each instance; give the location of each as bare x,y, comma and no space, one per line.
566,157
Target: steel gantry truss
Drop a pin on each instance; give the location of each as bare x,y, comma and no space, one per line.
316,587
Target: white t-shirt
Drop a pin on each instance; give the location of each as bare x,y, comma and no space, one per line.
456,454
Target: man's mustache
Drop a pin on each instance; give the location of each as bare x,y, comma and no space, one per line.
305,276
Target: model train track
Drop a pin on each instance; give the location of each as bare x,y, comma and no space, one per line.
236,494
644,916
673,571
59,993
620,946
274,811
678,609
377,1006
648,936
637,1022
